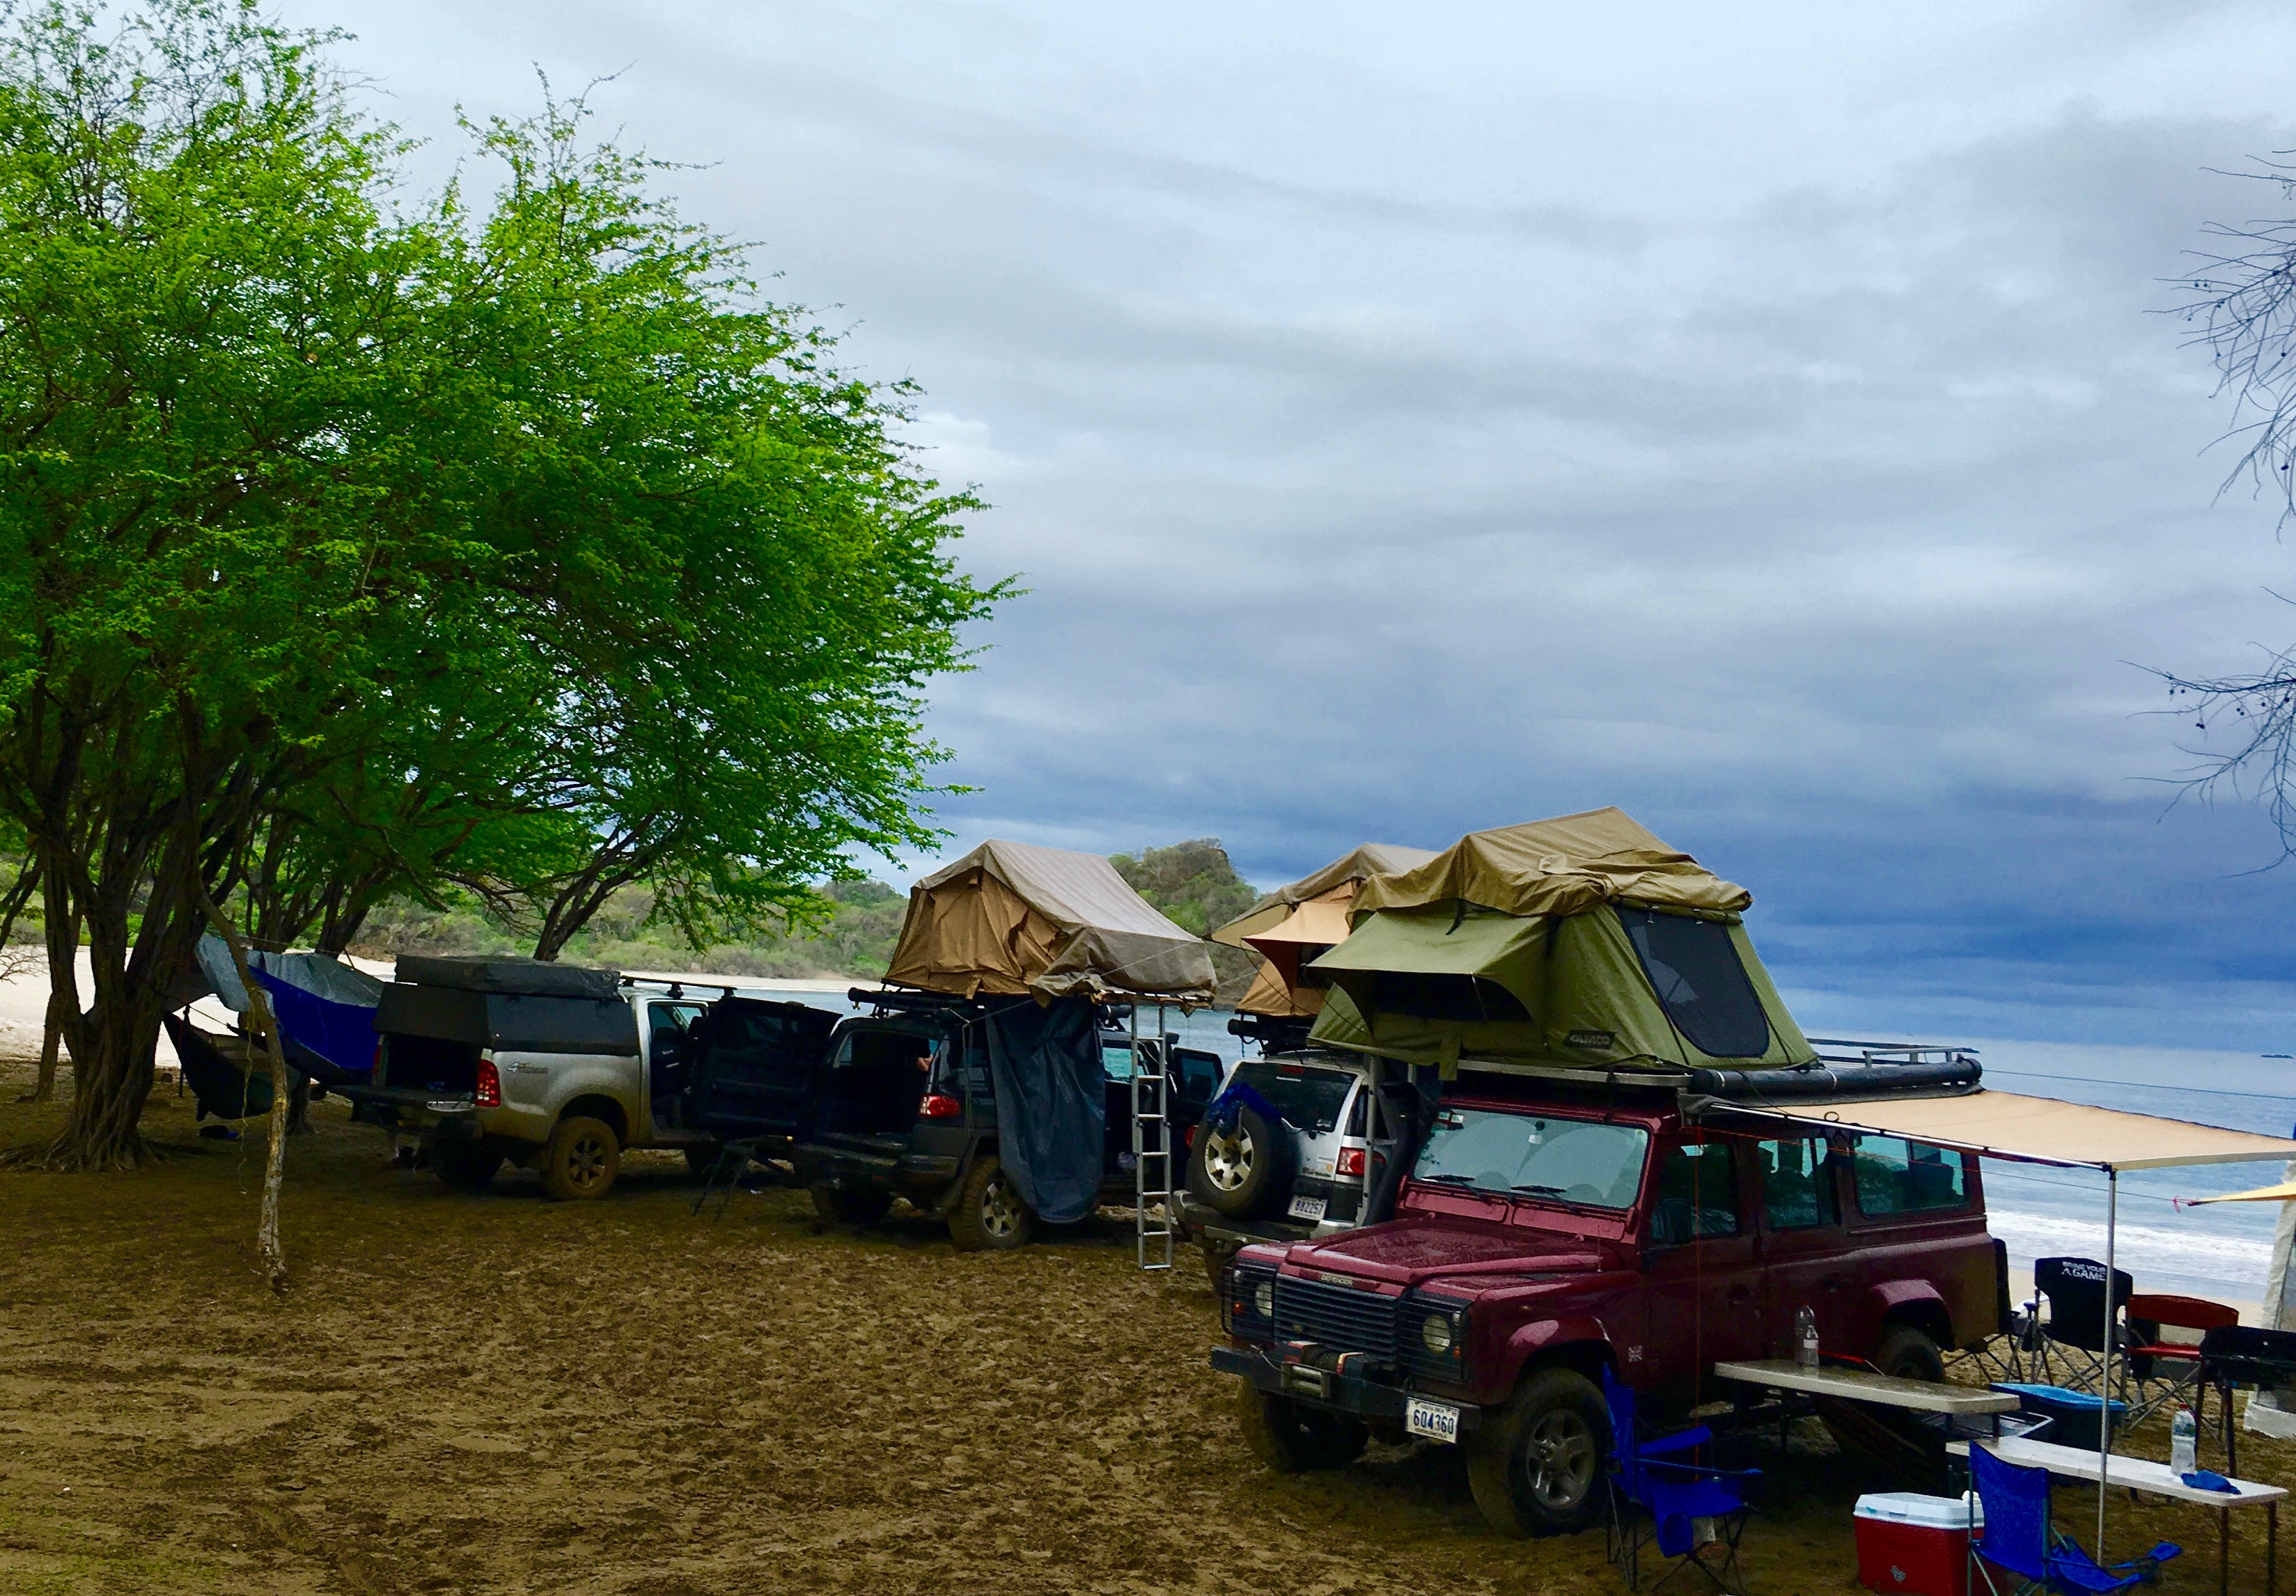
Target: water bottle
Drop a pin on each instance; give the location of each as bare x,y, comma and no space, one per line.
2184,1442
1806,1338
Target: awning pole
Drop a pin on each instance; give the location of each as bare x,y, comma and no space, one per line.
2104,1396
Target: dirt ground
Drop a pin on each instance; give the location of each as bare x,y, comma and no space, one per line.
501,1394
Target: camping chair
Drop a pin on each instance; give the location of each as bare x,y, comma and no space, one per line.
2071,1353
2018,1539
2162,1369
2243,1356
1694,1509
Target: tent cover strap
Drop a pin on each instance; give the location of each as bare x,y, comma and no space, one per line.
1563,866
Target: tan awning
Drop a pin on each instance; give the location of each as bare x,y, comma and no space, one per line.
2285,1191
2036,1130
1319,922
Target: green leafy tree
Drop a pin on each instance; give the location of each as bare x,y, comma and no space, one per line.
349,551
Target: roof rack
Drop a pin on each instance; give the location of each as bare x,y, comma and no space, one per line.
1890,1053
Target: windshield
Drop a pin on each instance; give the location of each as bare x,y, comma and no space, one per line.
1569,1160
1309,1097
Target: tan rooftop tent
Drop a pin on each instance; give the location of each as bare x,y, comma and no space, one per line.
1295,923
1011,919
1582,940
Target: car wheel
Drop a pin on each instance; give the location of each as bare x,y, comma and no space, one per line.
989,1216
836,1205
469,1165
1538,1470
1906,1352
582,1159
1291,1438
1241,1170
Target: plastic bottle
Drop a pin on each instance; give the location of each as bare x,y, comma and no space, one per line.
1806,1338
2184,1442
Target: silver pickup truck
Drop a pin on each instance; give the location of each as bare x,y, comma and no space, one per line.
551,1067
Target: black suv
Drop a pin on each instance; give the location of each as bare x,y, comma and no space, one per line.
901,1103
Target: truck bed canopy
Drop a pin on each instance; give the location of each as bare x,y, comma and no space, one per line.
1583,941
2032,1130
1014,920
1292,924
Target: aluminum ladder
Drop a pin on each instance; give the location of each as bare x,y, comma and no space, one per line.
1151,1146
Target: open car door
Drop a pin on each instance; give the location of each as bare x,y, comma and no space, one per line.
758,1067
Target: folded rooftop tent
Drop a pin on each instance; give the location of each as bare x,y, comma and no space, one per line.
1011,919
1293,924
1583,941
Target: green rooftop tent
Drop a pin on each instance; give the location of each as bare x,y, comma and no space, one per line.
1583,940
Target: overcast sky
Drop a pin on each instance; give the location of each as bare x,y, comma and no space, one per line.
1414,420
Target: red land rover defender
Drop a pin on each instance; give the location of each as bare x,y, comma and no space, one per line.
1548,1231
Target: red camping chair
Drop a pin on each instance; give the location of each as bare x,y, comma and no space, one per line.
2164,1367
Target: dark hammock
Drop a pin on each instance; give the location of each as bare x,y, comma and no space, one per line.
226,1087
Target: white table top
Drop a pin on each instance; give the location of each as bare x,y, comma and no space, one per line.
1857,1385
2138,1474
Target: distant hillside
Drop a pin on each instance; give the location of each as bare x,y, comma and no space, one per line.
1191,882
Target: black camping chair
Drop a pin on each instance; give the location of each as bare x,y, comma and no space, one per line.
2073,1343
2242,1355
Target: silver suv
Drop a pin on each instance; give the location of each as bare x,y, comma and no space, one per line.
1298,1145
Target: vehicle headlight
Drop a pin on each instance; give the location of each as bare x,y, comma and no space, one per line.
1435,1332
1263,1300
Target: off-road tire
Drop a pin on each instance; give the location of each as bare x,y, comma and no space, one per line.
1243,1173
1537,1469
468,1166
988,1215
581,1160
837,1205
1908,1353
1291,1438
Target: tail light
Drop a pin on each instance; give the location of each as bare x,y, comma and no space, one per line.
488,1094
940,1105
1351,1161
1192,1138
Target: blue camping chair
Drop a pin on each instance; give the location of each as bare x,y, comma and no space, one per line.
1691,1510
2019,1540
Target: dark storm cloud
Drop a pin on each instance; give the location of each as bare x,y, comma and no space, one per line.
1762,422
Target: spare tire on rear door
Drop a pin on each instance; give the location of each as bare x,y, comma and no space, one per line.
1243,1170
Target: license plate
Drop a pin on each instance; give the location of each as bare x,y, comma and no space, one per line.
1308,1208
1436,1420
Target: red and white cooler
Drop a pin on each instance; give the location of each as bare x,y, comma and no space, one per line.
1914,1545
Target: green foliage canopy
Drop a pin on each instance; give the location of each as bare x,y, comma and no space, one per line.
347,549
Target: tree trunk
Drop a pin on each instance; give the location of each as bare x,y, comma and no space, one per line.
274,1166
51,1044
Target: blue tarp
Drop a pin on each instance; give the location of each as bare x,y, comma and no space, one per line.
325,1008
1052,1104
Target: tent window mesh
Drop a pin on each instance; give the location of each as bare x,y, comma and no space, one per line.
1694,967
1455,997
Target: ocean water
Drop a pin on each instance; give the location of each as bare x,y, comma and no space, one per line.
2221,1251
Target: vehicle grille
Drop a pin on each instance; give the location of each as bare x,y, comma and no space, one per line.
1337,1317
